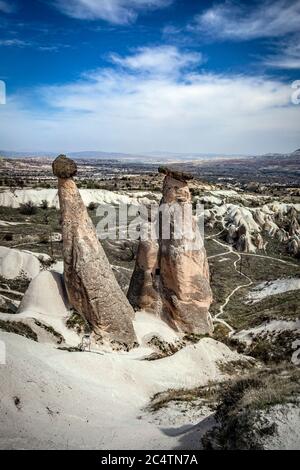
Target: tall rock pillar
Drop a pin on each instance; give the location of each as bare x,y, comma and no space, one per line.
184,271
171,275
91,285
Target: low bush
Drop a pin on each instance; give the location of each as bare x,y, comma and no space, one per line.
28,208
44,204
241,415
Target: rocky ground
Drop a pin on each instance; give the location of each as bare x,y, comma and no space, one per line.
175,389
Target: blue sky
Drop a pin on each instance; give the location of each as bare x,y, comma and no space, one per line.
150,75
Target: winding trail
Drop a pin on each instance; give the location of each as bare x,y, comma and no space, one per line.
288,263
216,318
223,306
229,248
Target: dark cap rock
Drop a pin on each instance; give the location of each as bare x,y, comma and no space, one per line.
64,167
177,175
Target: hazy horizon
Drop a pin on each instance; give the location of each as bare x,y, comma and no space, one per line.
151,155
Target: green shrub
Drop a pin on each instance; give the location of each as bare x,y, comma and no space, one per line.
28,208
44,204
92,206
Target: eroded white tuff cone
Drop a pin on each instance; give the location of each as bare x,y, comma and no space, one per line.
184,271
172,277
91,285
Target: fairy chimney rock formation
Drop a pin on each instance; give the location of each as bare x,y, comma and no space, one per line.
184,272
91,285
174,275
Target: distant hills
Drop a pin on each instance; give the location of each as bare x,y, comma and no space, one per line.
95,155
294,154
143,157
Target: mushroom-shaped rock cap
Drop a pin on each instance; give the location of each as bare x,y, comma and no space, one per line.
177,175
64,167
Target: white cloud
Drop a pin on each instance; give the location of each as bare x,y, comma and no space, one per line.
171,30
6,7
14,43
113,11
158,60
287,55
126,110
260,20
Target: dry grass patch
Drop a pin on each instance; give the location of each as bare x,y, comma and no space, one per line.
18,328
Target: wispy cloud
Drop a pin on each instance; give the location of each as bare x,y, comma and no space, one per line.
113,11
262,19
6,7
159,60
287,55
19,43
125,109
171,30
54,48
14,43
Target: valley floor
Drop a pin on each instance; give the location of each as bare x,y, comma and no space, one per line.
56,399
54,396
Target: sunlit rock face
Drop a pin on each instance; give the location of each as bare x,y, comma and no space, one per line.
91,285
174,275
184,273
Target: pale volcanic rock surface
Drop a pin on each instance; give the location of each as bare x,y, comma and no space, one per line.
15,263
246,227
98,196
95,401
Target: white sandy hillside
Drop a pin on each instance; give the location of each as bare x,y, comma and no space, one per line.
270,332
46,300
100,196
287,419
14,263
272,327
226,193
210,199
268,288
54,399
